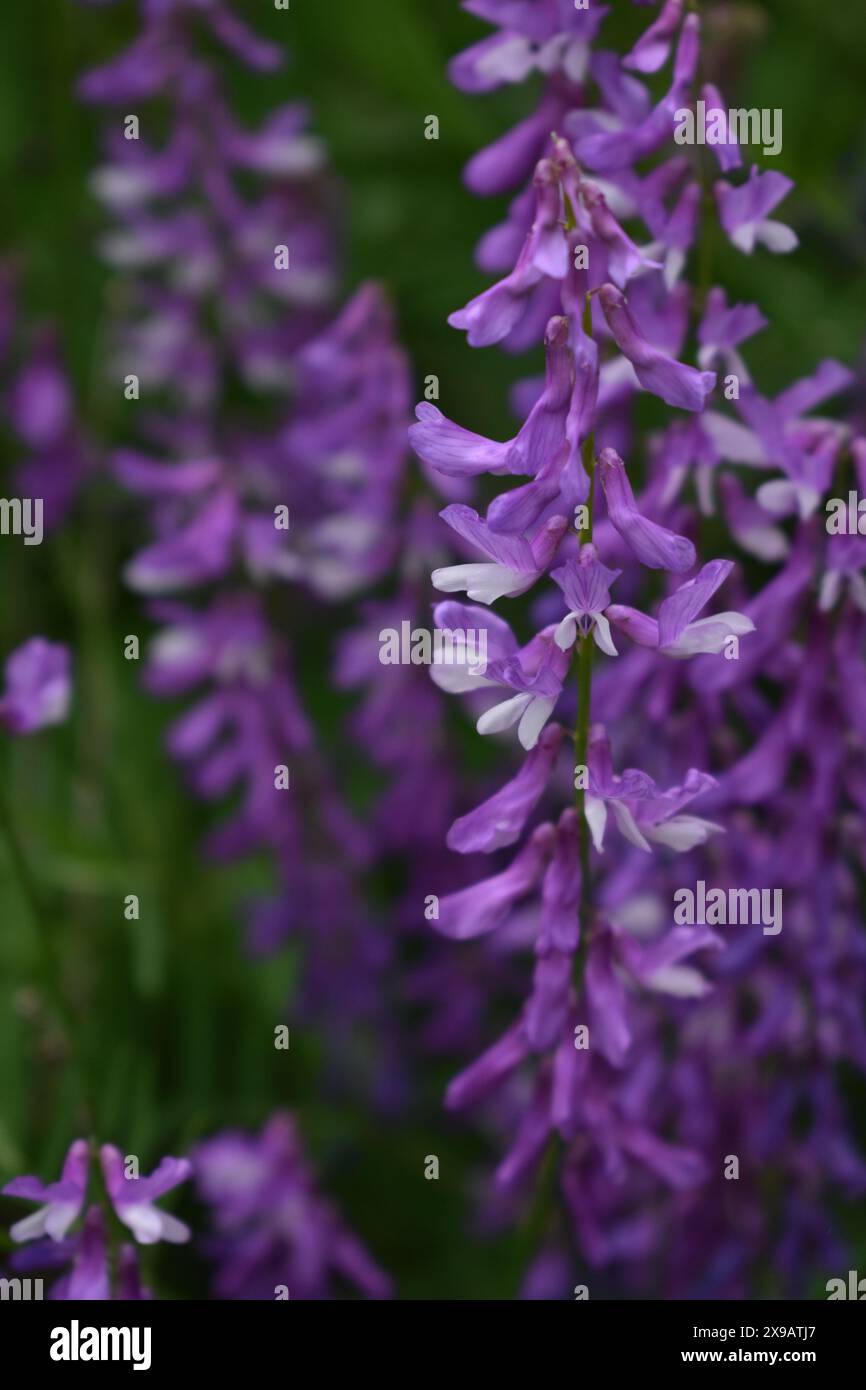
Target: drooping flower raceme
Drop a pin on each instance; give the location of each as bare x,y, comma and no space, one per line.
52,457
581,957
602,239
269,450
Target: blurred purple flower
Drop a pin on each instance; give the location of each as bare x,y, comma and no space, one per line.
273,1231
38,687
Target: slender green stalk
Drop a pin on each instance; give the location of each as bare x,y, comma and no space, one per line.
30,892
50,967
707,209
583,661
541,1217
581,741
115,1232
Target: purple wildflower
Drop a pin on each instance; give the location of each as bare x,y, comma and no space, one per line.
38,687
133,1198
61,1201
606,949
275,1235
83,1252
226,236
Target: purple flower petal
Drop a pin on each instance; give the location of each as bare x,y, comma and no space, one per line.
484,906
499,820
676,383
654,545
682,607
132,1198
38,687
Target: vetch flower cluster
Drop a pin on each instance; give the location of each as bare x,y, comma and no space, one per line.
595,261
269,449
97,1265
275,1236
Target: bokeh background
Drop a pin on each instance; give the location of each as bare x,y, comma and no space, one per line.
172,1025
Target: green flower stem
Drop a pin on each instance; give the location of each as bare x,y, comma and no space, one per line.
706,238
581,741
30,893
115,1232
50,966
583,661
